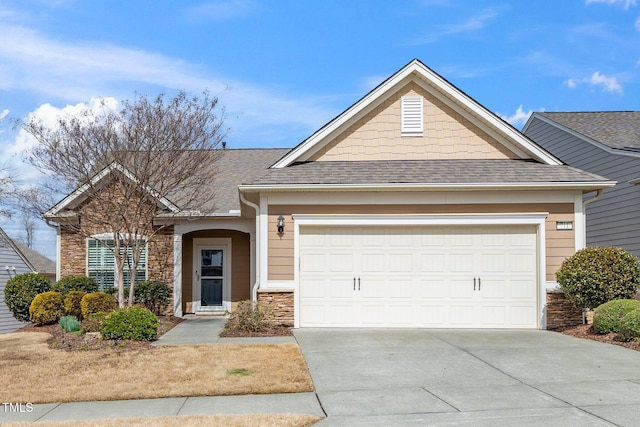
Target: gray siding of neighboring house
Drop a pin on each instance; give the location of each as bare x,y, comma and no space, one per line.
9,258
613,220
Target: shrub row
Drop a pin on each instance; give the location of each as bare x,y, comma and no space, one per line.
49,307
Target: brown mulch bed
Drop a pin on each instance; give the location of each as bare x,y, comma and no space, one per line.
62,340
267,331
587,332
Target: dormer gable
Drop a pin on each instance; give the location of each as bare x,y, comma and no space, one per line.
416,115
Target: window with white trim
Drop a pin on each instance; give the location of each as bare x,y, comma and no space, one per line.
101,263
412,115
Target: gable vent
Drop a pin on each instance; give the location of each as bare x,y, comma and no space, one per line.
412,117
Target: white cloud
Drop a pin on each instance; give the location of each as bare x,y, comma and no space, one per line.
624,3
607,84
48,115
518,118
475,23
74,72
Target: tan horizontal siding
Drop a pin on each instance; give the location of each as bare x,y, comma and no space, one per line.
378,136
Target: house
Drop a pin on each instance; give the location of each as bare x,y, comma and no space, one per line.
12,263
41,264
415,207
608,144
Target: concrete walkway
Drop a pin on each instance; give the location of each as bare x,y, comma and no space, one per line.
206,330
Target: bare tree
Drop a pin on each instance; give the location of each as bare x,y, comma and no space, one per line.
151,158
7,190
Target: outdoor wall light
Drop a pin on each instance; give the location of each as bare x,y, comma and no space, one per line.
10,270
280,225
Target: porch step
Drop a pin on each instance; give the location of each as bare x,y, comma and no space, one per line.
211,313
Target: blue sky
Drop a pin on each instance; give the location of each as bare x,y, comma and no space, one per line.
283,68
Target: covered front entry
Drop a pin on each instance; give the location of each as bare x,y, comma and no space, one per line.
452,276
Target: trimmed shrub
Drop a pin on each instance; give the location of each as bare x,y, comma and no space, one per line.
608,316
630,326
96,302
154,296
595,275
94,322
250,317
46,308
20,291
72,303
131,323
69,323
75,283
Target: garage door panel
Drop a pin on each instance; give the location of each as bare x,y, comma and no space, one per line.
340,262
461,262
492,288
373,262
419,276
435,289
401,262
520,288
462,289
462,315
402,288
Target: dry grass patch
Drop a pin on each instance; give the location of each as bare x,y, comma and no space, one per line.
33,372
265,420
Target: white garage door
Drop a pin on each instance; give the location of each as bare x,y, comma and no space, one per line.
422,276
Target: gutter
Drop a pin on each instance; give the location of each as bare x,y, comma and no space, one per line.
256,285
587,185
592,199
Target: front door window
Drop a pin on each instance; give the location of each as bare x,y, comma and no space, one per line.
211,276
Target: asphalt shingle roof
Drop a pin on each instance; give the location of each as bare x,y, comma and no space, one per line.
617,129
424,172
234,167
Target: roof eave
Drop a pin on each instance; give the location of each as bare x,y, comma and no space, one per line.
577,185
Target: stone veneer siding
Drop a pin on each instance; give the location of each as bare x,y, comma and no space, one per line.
280,302
560,311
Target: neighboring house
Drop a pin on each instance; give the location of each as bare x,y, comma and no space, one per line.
40,263
12,263
607,144
416,207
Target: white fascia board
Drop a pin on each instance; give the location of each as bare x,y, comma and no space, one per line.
425,197
591,185
422,219
600,145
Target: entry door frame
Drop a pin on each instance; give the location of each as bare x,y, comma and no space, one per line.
212,243
517,218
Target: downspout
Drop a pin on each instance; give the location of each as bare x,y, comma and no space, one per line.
254,288
584,211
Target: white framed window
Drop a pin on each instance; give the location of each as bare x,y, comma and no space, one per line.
412,115
101,263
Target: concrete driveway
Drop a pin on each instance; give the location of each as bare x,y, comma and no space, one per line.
480,378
